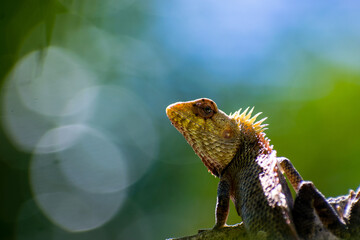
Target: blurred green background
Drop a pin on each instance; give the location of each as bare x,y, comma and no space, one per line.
86,149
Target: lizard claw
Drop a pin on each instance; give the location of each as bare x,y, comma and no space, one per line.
358,193
353,212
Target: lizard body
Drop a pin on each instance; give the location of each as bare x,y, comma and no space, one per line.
234,148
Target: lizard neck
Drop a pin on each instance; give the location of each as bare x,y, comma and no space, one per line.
252,145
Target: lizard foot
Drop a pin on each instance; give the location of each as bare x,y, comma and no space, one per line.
307,200
218,226
353,213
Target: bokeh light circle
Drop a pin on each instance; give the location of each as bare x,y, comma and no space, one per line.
93,163
62,185
123,118
47,80
23,126
37,92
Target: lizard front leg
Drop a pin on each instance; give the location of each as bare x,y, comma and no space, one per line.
291,173
222,205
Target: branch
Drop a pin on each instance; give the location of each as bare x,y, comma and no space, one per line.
233,232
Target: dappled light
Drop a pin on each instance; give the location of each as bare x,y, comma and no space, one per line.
87,151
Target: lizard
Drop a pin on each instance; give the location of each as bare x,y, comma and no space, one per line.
235,149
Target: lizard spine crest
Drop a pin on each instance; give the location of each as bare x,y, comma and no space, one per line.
247,120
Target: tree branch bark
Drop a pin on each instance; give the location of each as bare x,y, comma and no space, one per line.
233,232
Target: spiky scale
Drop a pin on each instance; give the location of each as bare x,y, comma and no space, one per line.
242,115
253,119
249,114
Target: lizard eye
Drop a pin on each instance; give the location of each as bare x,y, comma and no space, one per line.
205,108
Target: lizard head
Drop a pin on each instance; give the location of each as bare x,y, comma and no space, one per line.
214,136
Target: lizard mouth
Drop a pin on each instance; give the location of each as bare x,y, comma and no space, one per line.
172,114
176,116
